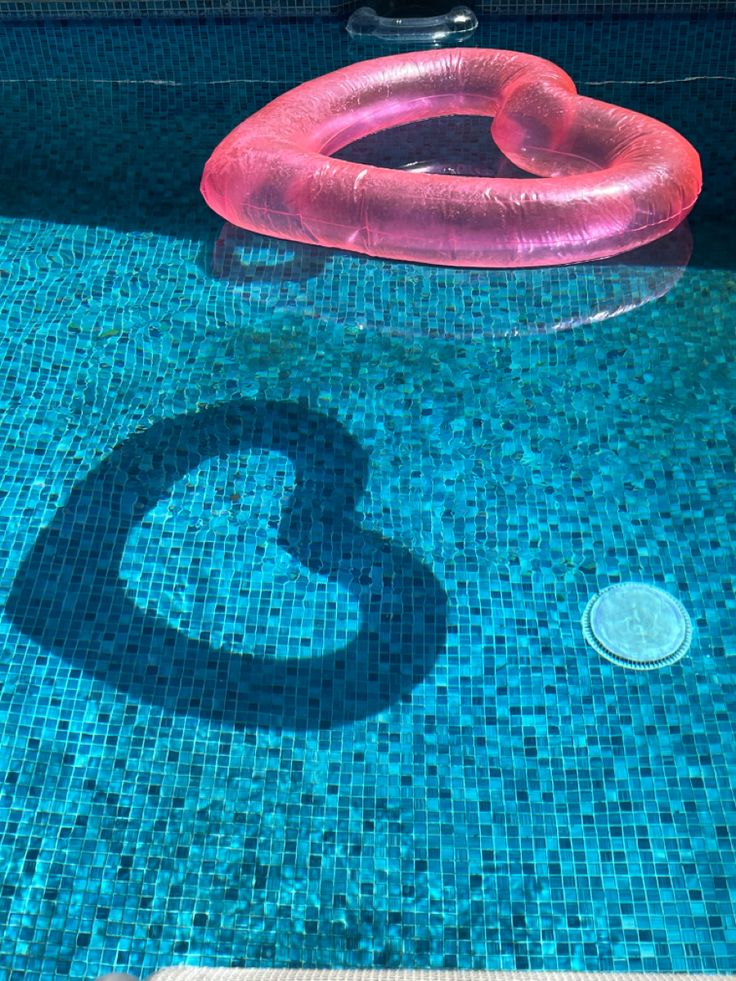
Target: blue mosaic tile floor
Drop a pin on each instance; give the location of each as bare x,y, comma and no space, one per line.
296,544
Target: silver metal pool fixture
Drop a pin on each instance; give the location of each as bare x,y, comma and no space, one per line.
456,25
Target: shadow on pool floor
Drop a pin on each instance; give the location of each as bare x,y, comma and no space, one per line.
69,596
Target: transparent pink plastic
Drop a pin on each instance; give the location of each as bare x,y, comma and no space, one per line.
612,179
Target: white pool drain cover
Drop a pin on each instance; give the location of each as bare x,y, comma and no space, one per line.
637,626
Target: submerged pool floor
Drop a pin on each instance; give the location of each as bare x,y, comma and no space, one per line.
295,550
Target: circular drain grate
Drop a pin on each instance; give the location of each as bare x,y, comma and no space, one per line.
637,626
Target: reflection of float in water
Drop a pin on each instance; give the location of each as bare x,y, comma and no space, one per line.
411,300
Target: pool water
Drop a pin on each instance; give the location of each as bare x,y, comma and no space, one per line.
296,543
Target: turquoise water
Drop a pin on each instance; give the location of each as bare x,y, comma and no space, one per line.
296,546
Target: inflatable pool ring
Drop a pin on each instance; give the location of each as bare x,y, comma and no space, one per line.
611,179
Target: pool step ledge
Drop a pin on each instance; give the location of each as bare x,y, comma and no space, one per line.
184,973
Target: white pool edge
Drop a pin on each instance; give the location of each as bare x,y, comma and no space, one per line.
186,973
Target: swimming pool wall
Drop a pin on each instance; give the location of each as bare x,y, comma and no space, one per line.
674,68
65,9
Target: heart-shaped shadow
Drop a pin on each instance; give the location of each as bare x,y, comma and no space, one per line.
69,596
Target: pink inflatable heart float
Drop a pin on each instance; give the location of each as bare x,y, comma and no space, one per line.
611,179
